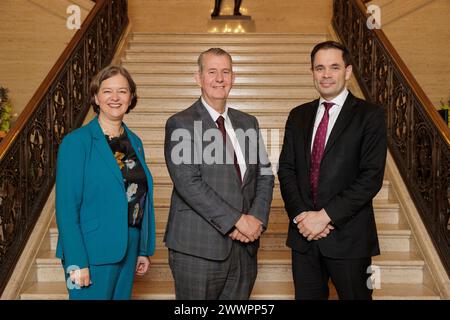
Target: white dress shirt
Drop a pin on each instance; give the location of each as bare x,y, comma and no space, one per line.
230,131
333,112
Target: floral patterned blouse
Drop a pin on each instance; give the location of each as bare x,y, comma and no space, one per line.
134,178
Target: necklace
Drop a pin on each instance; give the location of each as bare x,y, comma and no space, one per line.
110,137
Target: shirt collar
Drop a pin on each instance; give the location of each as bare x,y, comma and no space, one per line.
213,113
339,100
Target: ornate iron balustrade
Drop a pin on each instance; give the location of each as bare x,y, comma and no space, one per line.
418,138
28,152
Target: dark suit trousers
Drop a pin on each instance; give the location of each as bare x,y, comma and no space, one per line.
202,279
311,272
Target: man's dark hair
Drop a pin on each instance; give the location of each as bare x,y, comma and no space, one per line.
331,45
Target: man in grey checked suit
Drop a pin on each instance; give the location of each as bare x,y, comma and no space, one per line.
222,191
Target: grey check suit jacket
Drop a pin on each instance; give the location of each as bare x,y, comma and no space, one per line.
208,199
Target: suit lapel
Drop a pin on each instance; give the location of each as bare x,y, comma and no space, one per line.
342,121
237,123
204,116
101,145
208,123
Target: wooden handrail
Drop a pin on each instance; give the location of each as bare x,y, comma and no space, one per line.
60,104
417,137
47,82
443,129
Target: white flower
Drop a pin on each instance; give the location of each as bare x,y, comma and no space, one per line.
131,191
135,212
130,163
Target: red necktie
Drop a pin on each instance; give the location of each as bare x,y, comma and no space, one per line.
221,124
318,149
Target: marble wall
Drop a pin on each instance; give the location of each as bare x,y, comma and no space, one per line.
269,16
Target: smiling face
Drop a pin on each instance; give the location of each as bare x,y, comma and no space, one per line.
216,79
113,97
330,73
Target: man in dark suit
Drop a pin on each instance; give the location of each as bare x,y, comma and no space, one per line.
331,167
223,186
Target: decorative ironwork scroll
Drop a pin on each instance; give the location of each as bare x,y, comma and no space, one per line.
28,152
418,138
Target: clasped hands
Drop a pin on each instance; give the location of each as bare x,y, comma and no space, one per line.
314,225
247,229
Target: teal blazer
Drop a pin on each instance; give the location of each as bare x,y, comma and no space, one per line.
91,202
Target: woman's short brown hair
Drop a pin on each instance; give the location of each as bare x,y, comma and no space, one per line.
106,73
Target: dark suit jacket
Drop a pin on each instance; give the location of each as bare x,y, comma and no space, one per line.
208,199
351,174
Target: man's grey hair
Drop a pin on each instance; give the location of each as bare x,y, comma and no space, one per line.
214,51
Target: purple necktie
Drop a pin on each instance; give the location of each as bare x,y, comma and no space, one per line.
221,124
317,150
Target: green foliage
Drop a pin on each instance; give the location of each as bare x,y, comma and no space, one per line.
444,106
445,114
5,110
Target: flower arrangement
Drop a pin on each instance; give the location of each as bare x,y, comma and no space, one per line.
444,110
5,110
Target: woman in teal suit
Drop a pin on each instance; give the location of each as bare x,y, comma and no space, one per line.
104,196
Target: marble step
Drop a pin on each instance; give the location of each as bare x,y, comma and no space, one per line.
155,152
273,265
226,39
178,79
154,149
391,224
163,184
233,48
251,105
156,160
158,120
281,68
386,211
251,91
154,136
392,237
159,172
183,57
270,290
165,190
153,140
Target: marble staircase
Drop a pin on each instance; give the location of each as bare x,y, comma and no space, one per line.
272,78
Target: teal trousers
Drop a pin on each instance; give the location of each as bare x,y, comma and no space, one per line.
109,281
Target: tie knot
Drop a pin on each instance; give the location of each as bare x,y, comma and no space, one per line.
328,105
220,121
